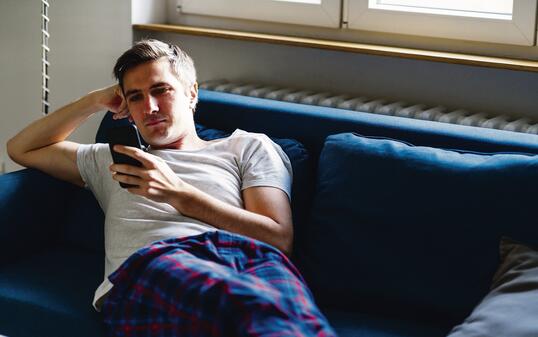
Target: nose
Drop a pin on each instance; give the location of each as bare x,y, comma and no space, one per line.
150,105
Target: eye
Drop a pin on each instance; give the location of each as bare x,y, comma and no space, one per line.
160,90
134,97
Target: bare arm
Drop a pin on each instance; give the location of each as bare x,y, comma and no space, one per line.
42,144
266,217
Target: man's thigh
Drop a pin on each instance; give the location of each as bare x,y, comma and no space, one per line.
215,284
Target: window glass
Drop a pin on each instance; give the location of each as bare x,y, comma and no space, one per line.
497,21
322,13
501,9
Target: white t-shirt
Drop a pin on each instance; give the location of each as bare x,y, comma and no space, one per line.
222,169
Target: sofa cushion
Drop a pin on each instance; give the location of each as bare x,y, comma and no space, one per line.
84,221
51,294
30,202
353,324
511,306
413,231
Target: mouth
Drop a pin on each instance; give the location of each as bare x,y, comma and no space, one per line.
154,122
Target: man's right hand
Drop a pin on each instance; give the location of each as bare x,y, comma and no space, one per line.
111,98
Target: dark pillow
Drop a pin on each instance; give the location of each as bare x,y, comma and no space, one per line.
210,134
413,231
511,307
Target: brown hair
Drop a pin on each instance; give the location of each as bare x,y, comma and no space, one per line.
152,50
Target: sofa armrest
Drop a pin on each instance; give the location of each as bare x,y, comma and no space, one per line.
32,212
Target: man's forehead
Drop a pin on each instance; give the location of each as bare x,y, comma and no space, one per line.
129,91
148,74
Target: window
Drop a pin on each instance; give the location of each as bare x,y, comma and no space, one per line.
324,13
497,21
498,24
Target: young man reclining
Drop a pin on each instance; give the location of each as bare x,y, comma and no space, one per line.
196,246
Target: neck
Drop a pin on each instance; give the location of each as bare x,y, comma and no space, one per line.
187,142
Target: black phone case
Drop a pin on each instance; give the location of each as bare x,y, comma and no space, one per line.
124,135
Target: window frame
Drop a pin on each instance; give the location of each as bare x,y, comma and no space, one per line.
521,30
325,14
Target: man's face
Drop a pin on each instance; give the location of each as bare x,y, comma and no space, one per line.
158,102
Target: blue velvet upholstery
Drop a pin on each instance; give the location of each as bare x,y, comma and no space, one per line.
355,324
406,224
50,294
51,261
51,234
28,195
310,125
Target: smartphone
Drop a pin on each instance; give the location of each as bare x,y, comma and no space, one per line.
124,135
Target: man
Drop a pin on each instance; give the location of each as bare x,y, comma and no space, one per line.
172,264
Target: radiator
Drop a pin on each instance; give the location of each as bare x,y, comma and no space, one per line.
377,106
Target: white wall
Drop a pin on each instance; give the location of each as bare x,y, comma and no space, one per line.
149,11
86,38
20,69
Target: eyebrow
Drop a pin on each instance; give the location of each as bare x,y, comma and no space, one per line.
135,91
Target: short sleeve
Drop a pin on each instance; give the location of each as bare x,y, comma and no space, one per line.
264,163
93,161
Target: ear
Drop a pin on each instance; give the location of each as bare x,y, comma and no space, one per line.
193,93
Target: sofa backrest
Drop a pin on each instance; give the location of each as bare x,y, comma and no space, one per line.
312,124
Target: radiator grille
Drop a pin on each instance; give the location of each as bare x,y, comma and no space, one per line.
377,106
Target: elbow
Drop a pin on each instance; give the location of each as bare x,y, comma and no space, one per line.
10,149
287,250
15,153
285,244
12,152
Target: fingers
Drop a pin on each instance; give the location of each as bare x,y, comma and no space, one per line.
127,174
134,176
146,159
110,98
122,112
125,169
127,179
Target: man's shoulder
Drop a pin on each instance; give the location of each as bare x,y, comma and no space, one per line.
253,144
94,146
250,137
97,151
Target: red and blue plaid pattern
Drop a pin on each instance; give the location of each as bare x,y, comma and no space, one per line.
213,284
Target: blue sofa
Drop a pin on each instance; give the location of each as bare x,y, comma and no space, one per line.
397,221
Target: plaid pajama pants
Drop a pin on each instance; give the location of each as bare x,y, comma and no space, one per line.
213,284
